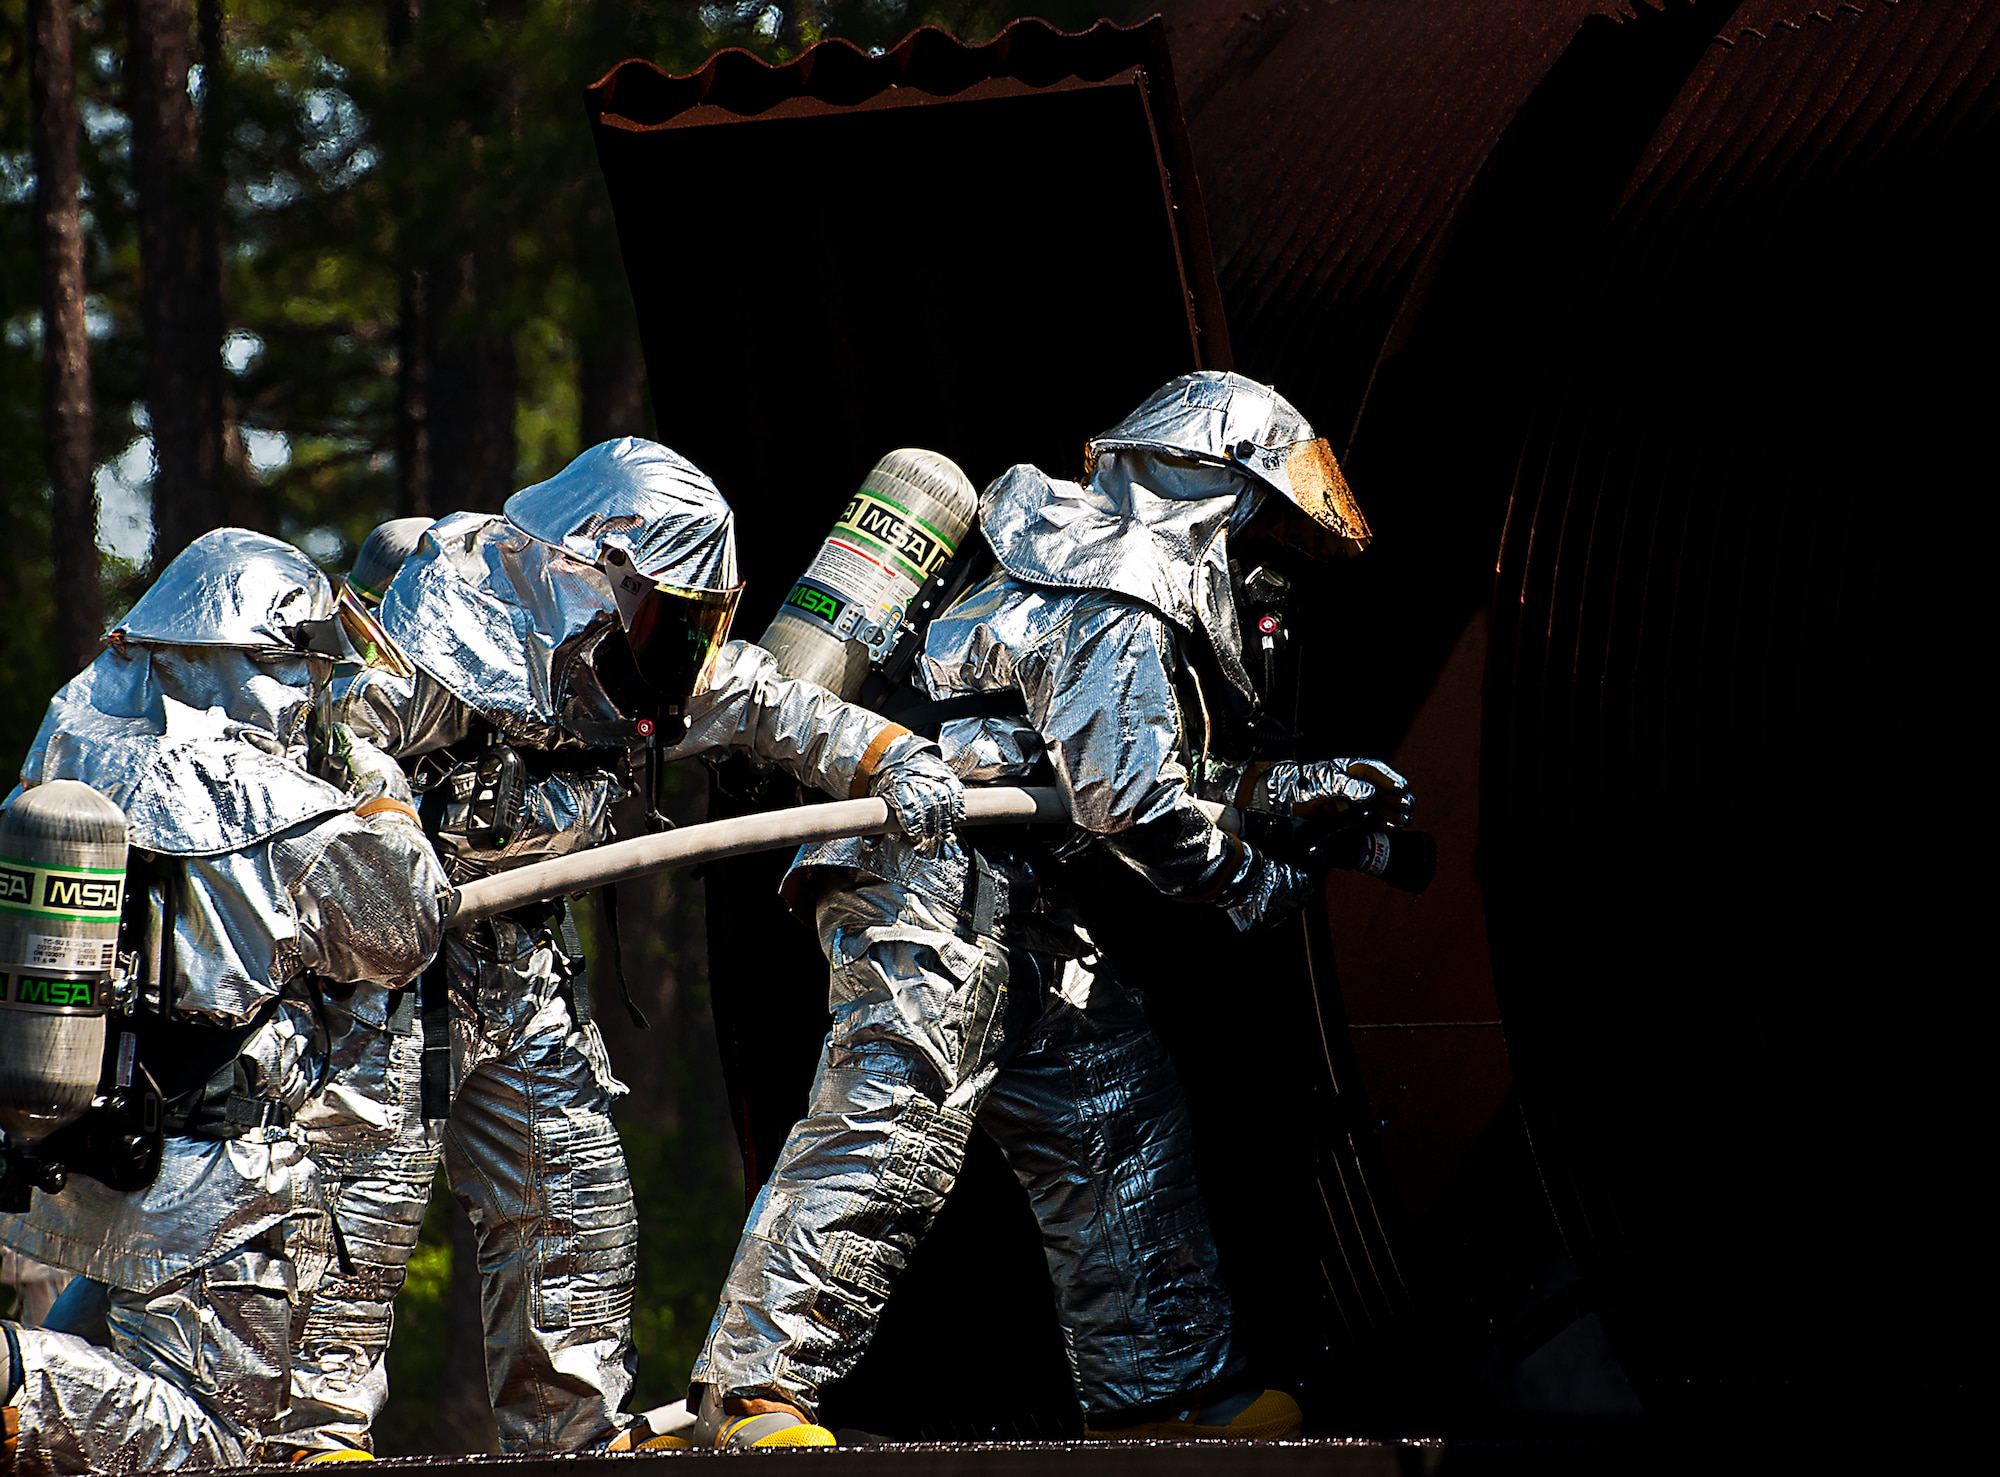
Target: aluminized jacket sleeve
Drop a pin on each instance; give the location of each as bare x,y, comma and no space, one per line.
403,716
802,728
353,926
1111,725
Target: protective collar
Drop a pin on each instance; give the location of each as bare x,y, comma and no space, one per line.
1142,526
194,722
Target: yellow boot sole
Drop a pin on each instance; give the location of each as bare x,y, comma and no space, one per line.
1272,1416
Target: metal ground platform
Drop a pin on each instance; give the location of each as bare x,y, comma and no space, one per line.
1608,1451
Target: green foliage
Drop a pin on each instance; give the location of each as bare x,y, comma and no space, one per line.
350,153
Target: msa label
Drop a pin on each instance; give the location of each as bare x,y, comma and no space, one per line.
56,994
919,549
80,895
821,604
75,894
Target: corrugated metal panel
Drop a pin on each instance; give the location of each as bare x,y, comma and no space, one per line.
837,74
1338,138
1788,93
931,66
1335,141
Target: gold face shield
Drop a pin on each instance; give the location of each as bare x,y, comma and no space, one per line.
676,635
673,634
352,638
1319,491
368,644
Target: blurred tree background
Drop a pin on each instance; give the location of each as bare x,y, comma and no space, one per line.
304,266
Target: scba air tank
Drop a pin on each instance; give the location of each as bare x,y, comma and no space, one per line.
904,525
62,883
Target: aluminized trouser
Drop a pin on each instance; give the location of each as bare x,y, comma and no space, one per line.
193,1371
936,1032
377,1160
533,1156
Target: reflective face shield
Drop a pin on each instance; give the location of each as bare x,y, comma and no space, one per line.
354,638
1320,492
674,634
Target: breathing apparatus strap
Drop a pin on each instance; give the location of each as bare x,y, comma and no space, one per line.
985,894
434,1010
208,1088
607,899
17,1374
928,716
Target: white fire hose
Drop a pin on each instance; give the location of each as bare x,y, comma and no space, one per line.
770,831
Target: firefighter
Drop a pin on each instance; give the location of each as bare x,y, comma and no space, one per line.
283,871
551,645
1103,654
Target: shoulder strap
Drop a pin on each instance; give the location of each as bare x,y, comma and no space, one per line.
928,716
434,1010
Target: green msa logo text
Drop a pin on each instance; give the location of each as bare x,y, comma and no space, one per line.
71,993
814,602
16,886
80,895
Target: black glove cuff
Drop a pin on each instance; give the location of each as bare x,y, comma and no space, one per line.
1406,860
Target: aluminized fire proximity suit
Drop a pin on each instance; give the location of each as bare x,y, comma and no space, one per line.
274,894
511,623
377,1158
966,993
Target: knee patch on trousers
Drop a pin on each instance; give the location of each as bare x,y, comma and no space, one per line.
585,1268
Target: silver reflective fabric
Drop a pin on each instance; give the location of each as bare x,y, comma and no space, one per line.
1151,530
1301,789
532,1154
646,499
231,587
1029,1037
377,1159
345,899
202,751
499,616
1165,488
382,553
1105,721
500,621
1224,419
194,1369
500,612
800,727
195,720
278,880
926,798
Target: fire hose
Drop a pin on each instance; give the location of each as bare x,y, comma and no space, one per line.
689,846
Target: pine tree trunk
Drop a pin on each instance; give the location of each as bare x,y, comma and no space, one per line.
413,398
66,403
181,300
239,498
611,388
472,391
